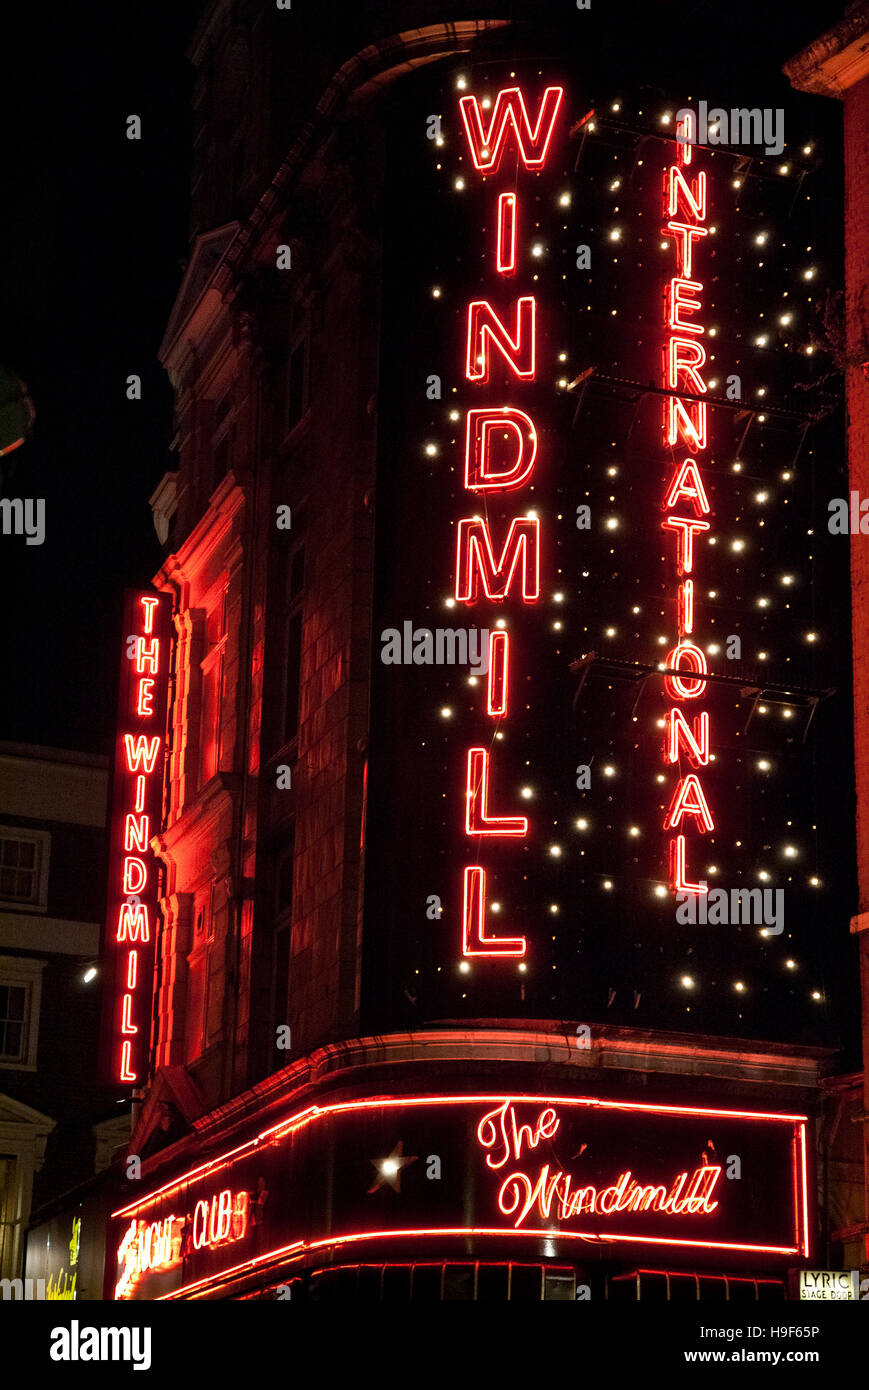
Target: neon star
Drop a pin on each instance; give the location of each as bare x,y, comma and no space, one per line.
388,1170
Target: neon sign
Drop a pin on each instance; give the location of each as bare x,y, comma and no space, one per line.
161,1245
507,339
550,1193
136,807
685,427
616,1170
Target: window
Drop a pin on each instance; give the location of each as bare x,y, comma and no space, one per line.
199,965
444,1281
212,691
298,370
281,874
13,1022
20,990
24,867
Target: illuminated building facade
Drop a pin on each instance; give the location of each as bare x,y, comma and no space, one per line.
445,1005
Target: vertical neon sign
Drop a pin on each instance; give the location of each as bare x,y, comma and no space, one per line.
483,569
128,952
686,505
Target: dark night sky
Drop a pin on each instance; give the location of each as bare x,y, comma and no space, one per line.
92,236
92,232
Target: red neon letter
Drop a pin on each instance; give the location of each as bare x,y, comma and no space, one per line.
693,201
474,942
677,869
688,483
135,875
499,661
506,258
685,237
688,800
685,547
127,1025
149,604
145,701
695,743
680,425
475,560
133,923
680,297
141,753
477,818
677,687
479,475
485,328
148,654
136,833
684,356
686,607
487,146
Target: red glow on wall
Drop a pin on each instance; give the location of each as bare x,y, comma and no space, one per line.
133,869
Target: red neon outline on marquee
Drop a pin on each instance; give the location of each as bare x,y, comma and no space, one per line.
300,1248
675,302
689,799
696,493
478,425
473,563
506,225
477,818
312,1113
685,528
504,116
678,881
498,674
473,920
485,327
678,732
125,1074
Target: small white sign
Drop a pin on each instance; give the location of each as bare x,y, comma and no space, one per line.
829,1285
